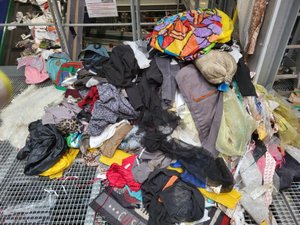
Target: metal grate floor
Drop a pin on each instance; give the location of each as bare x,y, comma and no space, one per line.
36,200
39,201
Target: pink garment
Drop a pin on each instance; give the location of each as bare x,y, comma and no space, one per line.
278,154
119,176
261,164
35,69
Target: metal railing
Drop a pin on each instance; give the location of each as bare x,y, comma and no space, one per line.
135,23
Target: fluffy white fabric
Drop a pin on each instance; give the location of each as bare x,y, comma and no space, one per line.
24,109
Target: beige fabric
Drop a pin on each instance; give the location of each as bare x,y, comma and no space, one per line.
217,66
109,146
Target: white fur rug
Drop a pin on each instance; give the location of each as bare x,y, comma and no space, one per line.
24,109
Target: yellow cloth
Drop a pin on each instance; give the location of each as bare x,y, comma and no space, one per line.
262,131
6,82
57,170
6,89
179,170
227,27
230,199
91,150
117,158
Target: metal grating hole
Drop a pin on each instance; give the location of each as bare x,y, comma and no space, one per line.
18,84
249,220
280,209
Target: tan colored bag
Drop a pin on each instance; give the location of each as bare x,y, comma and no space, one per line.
217,66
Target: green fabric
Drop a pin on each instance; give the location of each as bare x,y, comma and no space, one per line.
60,87
69,69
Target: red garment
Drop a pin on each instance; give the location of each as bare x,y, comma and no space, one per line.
90,99
72,92
225,220
119,176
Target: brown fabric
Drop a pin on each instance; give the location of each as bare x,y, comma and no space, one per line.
84,143
256,23
109,147
91,158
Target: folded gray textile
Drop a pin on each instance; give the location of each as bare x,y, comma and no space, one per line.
205,103
168,88
147,162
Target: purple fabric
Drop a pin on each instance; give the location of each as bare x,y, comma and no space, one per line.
56,114
202,32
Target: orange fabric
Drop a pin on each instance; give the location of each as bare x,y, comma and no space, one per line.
210,93
192,47
170,182
213,38
51,28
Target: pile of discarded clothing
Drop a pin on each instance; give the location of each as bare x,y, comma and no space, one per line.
177,129
39,43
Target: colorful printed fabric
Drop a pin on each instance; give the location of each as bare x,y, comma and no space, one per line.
190,34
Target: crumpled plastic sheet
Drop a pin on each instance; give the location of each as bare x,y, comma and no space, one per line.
250,173
236,127
284,116
38,206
